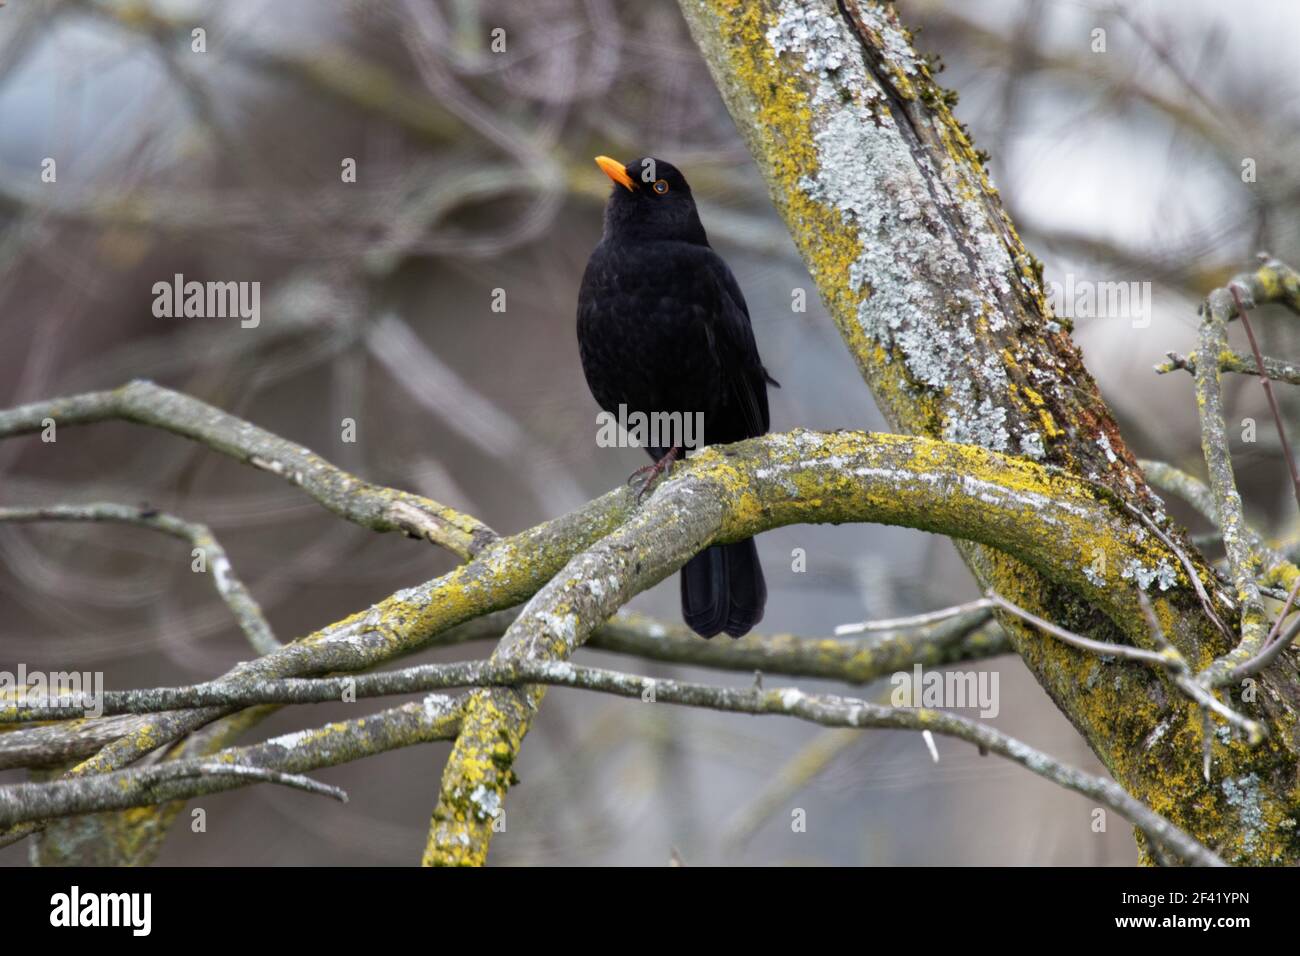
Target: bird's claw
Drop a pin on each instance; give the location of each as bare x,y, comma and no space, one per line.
647,476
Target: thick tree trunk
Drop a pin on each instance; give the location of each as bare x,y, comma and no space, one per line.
943,309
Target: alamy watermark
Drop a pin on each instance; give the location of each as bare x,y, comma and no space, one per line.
179,299
950,689
1086,299
43,690
133,911
649,429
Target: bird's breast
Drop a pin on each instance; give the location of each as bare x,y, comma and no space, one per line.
644,330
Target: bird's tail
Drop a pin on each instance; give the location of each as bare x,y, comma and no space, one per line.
723,589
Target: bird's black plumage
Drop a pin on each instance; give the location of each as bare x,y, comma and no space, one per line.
663,327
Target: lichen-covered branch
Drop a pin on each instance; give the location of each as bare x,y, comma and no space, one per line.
833,711
1168,658
65,740
507,571
1239,362
366,504
1271,282
1028,511
132,837
1038,515
678,520
434,718
1266,383
116,839
859,661
282,759
970,637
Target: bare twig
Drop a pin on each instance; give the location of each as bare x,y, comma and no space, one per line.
913,621
1159,658
1168,659
1273,281
262,774
1267,384
1196,493
228,585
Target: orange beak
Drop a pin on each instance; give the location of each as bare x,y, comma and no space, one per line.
615,171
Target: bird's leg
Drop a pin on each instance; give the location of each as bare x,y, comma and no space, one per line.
649,474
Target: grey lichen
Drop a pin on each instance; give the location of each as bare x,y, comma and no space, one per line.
923,295
1163,574
1031,446
486,802
984,425
1243,795
896,45
811,34
1094,577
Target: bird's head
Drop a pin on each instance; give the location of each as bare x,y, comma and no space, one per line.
650,200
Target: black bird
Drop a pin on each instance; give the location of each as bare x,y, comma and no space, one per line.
663,327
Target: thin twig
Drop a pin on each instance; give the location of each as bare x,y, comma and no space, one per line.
1267,384
1277,369
296,780
1168,659
1166,477
231,589
913,621
1181,672
1159,658
1188,566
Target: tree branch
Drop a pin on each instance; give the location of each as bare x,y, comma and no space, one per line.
371,506
246,610
1011,504
856,662
1239,362
434,718
726,494
275,760
1271,282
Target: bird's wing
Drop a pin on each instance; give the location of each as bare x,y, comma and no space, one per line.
737,351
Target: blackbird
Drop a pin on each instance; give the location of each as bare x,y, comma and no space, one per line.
663,328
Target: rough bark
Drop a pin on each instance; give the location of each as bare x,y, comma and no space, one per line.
943,309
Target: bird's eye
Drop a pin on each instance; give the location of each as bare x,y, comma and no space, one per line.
661,186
